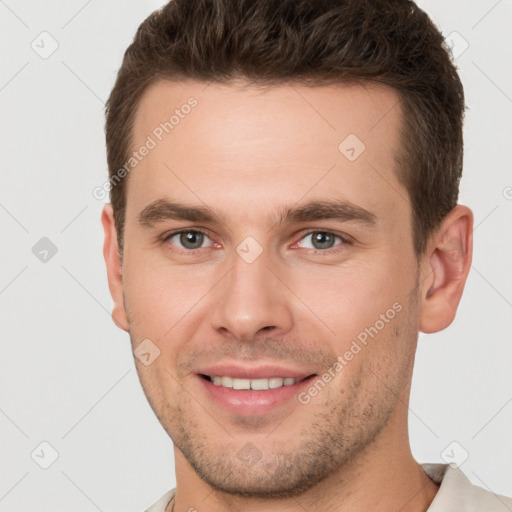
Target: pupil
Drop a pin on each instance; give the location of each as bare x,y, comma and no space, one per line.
323,240
191,238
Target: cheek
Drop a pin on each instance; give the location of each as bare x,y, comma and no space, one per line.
376,356
348,298
158,296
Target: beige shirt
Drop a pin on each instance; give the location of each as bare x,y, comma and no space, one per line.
456,494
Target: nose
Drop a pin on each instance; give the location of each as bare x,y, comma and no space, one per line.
252,298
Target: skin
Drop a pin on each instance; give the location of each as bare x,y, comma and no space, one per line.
247,152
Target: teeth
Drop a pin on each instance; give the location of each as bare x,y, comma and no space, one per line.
275,382
241,384
259,384
226,382
254,384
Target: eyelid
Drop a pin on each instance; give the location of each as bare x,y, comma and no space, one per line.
343,236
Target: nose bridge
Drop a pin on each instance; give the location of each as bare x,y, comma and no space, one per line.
251,297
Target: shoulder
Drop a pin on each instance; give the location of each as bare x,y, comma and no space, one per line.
456,492
161,504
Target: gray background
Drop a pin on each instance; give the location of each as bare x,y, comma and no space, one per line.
67,373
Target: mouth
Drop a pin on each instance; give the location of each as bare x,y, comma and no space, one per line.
252,392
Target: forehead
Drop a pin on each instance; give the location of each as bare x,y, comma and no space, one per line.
367,109
242,143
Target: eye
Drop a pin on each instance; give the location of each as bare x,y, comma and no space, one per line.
188,239
323,240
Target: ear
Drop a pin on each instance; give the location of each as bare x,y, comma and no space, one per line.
114,267
446,266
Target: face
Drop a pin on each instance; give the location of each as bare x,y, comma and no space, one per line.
268,245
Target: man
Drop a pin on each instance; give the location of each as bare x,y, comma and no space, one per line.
283,222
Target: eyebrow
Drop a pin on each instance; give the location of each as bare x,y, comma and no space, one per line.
163,209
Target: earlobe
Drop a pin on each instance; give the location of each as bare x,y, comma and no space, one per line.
449,258
114,267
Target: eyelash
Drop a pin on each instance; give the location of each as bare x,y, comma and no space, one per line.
345,239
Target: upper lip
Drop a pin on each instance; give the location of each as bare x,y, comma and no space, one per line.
252,372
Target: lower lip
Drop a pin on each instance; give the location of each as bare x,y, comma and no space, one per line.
252,403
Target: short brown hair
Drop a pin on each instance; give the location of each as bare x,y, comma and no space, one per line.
312,42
